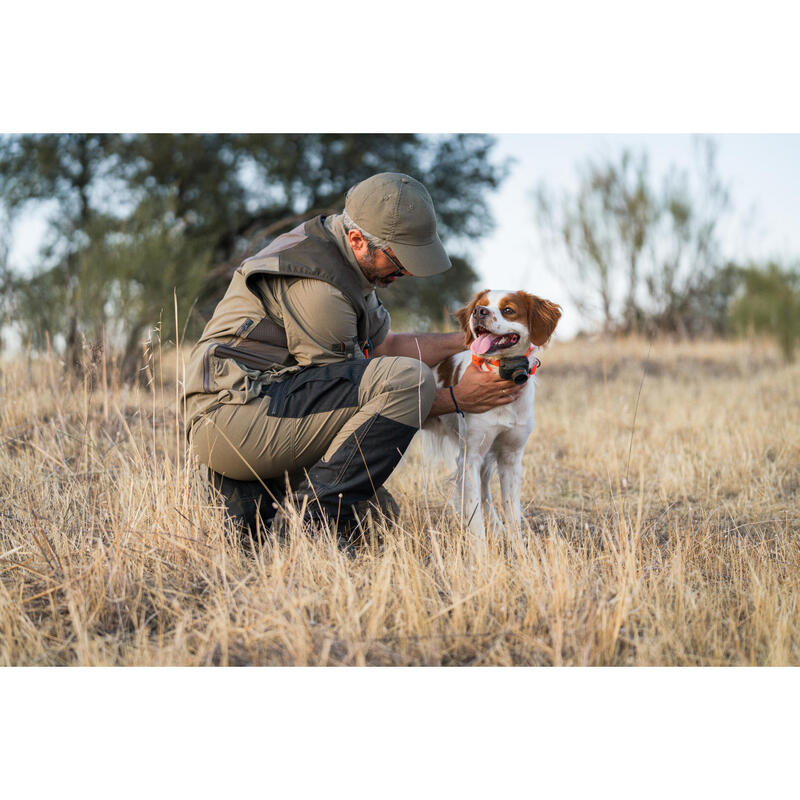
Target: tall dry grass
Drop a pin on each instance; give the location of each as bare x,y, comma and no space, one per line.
661,528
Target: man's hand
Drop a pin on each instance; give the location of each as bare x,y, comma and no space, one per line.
476,392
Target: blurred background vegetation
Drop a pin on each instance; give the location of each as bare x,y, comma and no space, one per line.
645,257
134,219
138,222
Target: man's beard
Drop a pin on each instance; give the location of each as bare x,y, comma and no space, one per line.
372,273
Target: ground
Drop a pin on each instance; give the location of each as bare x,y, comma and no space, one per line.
661,490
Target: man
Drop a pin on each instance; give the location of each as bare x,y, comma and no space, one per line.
297,374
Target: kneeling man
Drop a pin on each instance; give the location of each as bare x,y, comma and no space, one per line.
297,373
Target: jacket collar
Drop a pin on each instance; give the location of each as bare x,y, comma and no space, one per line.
335,227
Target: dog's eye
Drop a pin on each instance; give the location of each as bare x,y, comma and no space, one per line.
508,310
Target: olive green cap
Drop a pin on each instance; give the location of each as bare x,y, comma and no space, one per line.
398,209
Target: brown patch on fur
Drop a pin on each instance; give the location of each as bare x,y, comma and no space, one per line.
463,315
518,302
445,372
543,316
449,371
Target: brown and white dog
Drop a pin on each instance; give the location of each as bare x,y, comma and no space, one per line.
497,325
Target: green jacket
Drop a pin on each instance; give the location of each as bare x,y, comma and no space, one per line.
243,347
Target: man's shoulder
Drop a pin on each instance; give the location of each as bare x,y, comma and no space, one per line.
306,251
309,288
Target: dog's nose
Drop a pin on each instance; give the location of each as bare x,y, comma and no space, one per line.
480,311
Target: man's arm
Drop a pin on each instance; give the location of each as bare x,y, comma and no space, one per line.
475,393
316,316
430,348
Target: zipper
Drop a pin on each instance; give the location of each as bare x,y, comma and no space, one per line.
245,326
207,368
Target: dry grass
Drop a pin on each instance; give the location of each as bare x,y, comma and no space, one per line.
676,546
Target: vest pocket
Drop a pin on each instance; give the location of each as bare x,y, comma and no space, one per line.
207,368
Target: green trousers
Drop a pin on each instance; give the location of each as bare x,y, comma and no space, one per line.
339,430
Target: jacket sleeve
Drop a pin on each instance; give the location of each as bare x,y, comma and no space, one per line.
321,325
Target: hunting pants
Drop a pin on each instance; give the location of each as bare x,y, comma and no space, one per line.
338,431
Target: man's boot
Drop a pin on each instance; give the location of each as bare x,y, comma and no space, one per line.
249,504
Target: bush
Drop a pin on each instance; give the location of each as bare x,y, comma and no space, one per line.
770,304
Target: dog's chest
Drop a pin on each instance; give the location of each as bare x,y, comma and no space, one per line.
503,416
518,414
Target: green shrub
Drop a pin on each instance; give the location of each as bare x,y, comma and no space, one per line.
770,304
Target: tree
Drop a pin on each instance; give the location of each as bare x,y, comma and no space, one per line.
686,261
603,230
138,216
282,179
638,255
61,170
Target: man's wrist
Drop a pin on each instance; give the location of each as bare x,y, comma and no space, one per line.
455,402
442,402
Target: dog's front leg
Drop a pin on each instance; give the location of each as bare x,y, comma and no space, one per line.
470,459
469,501
509,467
489,513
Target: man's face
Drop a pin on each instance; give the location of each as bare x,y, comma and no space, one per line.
380,269
377,267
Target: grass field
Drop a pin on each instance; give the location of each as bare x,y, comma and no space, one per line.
662,526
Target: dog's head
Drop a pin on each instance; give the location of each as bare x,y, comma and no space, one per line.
501,324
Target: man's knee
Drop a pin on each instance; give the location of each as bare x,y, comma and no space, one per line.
407,381
415,378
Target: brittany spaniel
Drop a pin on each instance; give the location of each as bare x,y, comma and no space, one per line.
503,331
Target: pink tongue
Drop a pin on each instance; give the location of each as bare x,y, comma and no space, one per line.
482,344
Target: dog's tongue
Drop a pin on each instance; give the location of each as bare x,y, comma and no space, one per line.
482,344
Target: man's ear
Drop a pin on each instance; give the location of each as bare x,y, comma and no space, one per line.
543,316
358,244
463,315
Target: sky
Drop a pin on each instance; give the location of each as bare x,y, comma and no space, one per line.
761,171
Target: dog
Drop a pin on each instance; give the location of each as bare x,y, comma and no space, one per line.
498,326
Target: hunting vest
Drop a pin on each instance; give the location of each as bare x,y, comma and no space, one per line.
241,342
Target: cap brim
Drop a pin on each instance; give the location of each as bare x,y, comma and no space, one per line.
423,260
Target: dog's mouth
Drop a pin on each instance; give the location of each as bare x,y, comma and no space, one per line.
486,342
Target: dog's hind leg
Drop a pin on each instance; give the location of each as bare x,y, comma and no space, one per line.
468,500
509,464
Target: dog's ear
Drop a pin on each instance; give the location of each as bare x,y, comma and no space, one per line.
463,315
543,316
